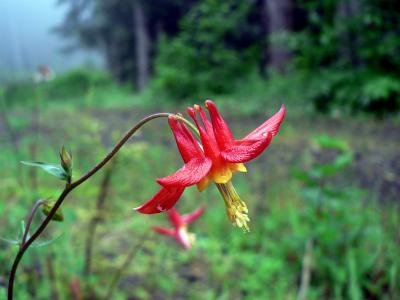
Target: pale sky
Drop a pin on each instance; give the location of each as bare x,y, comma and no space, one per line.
26,40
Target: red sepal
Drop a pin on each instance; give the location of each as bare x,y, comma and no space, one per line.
163,200
207,137
191,173
187,144
245,150
222,132
164,231
271,125
175,217
190,218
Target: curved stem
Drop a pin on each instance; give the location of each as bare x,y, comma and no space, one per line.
26,245
117,147
30,219
68,188
188,123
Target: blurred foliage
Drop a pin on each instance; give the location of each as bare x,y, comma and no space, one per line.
77,82
350,51
208,54
71,84
356,91
349,251
81,87
344,53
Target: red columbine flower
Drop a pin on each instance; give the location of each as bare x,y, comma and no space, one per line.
219,157
180,222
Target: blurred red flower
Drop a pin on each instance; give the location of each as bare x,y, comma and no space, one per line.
179,231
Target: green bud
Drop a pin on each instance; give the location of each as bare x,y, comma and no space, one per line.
66,161
46,208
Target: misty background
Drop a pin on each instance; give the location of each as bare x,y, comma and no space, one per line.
28,40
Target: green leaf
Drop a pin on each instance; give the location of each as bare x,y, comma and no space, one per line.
22,231
20,235
34,244
339,164
329,142
354,289
305,177
13,242
46,243
52,169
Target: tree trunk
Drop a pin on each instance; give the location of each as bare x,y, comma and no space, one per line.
278,16
349,42
142,46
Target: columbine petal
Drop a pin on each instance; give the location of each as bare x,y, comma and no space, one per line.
164,231
191,173
207,137
221,130
163,200
271,125
190,218
245,150
187,144
207,124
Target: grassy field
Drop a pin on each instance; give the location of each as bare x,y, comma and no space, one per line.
339,230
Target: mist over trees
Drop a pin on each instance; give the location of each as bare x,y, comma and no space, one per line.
28,41
124,31
188,47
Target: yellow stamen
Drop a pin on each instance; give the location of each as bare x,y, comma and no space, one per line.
236,209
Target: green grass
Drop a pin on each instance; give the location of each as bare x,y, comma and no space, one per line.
355,251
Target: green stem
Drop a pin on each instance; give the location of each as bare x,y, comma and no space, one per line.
30,219
188,123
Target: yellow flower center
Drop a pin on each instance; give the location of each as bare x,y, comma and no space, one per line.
221,174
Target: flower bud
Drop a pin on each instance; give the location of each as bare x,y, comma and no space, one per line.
66,161
47,207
